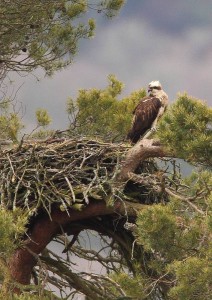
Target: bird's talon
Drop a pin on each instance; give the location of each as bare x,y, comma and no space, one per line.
154,129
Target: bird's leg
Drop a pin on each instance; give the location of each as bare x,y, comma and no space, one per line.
154,124
147,134
153,128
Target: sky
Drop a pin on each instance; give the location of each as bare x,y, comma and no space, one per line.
169,41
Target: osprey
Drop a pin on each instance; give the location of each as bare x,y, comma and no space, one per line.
148,111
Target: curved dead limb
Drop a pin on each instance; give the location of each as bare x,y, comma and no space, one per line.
137,154
25,258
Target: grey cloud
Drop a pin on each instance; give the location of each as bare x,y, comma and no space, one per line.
172,17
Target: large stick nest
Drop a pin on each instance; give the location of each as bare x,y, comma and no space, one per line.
67,172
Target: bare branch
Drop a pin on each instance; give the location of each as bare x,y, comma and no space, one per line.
137,154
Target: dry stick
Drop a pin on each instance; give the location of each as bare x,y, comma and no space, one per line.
187,200
71,189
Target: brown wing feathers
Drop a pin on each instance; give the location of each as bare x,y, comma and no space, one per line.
144,115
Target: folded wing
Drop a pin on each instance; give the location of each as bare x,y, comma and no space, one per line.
144,115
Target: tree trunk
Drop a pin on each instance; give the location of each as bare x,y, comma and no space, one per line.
25,258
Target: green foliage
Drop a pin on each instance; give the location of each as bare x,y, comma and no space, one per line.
201,184
28,296
10,122
177,236
186,130
133,286
45,33
101,112
12,228
159,230
42,134
12,225
43,118
194,279
41,295
154,222
112,6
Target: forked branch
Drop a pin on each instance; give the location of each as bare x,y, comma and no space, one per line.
137,154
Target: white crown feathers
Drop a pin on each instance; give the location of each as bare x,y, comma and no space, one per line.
155,83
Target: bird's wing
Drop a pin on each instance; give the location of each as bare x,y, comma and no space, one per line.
144,115
139,103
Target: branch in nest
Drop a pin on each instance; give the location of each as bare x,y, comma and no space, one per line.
137,154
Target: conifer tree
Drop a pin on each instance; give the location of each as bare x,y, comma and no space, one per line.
46,33
153,224
159,242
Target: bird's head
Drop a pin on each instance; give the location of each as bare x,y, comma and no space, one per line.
154,87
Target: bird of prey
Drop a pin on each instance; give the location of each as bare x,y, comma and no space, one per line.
148,111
